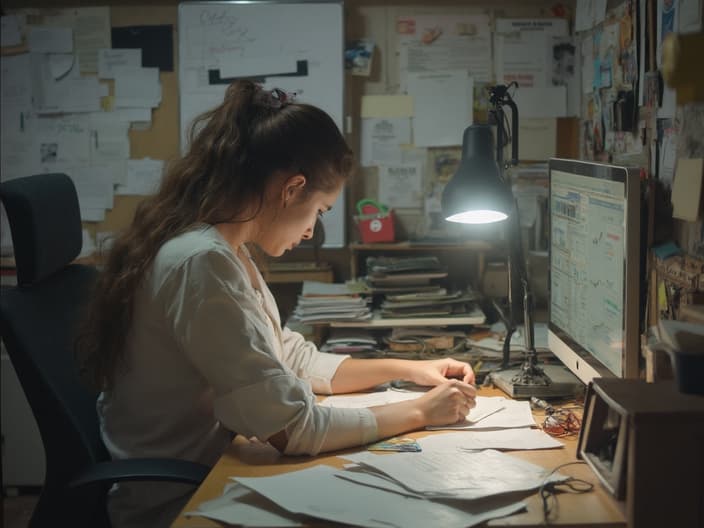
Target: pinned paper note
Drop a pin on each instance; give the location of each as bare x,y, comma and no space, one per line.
687,189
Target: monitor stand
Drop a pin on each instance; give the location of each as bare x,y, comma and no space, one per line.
563,384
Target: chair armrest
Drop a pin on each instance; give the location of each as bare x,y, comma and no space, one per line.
144,469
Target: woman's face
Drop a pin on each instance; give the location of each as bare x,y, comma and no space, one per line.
294,216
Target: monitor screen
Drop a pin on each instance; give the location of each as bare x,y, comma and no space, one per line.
594,268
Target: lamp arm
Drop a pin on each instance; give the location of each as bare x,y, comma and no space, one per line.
514,128
517,268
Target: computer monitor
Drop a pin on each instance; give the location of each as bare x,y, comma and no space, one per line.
595,268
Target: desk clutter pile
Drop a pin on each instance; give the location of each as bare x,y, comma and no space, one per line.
450,479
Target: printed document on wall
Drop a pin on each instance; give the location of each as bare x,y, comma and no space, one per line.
442,107
429,43
91,32
401,185
523,53
381,139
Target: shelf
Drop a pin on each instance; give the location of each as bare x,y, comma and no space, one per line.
410,245
474,318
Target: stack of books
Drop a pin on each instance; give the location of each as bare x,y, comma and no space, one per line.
322,302
405,274
413,287
358,342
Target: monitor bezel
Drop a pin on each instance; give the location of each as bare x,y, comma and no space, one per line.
579,361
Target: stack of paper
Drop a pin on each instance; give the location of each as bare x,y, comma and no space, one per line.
320,492
322,302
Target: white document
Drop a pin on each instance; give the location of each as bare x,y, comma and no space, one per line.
110,142
523,53
442,107
431,43
485,406
143,177
10,33
589,13
67,93
546,101
91,31
318,492
138,87
111,59
587,64
380,136
62,139
537,139
16,93
513,413
245,507
690,16
505,439
373,399
467,475
41,39
401,185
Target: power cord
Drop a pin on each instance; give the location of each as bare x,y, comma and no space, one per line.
549,490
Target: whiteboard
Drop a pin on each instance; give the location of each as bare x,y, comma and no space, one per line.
297,47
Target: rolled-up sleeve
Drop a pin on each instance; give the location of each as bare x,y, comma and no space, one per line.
223,330
304,358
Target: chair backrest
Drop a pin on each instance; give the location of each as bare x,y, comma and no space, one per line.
39,316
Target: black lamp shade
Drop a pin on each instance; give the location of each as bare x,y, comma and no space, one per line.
477,194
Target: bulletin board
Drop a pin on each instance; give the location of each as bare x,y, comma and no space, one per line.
296,47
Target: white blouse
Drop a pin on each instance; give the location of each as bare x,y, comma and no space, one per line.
206,357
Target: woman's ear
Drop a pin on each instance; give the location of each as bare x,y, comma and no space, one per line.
292,186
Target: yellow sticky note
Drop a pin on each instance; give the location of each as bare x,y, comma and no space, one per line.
387,106
687,189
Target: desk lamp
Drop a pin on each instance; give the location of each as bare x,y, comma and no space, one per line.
478,193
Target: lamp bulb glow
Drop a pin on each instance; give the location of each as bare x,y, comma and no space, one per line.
480,216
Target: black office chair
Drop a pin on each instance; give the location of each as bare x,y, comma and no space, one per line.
37,322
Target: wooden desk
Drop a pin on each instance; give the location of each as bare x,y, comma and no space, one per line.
245,459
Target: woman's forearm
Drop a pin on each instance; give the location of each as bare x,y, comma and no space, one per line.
359,374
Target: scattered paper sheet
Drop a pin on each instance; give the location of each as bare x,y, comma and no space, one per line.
318,492
467,475
513,413
244,507
505,439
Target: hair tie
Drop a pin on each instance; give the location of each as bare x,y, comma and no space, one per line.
278,98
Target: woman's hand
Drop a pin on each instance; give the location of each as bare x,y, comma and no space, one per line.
437,371
447,403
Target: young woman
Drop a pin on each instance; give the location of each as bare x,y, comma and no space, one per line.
183,337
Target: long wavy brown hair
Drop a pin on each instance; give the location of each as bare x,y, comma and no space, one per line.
234,151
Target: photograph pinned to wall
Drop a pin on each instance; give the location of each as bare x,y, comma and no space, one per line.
563,61
435,224
588,140
667,22
652,92
358,57
480,104
443,162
